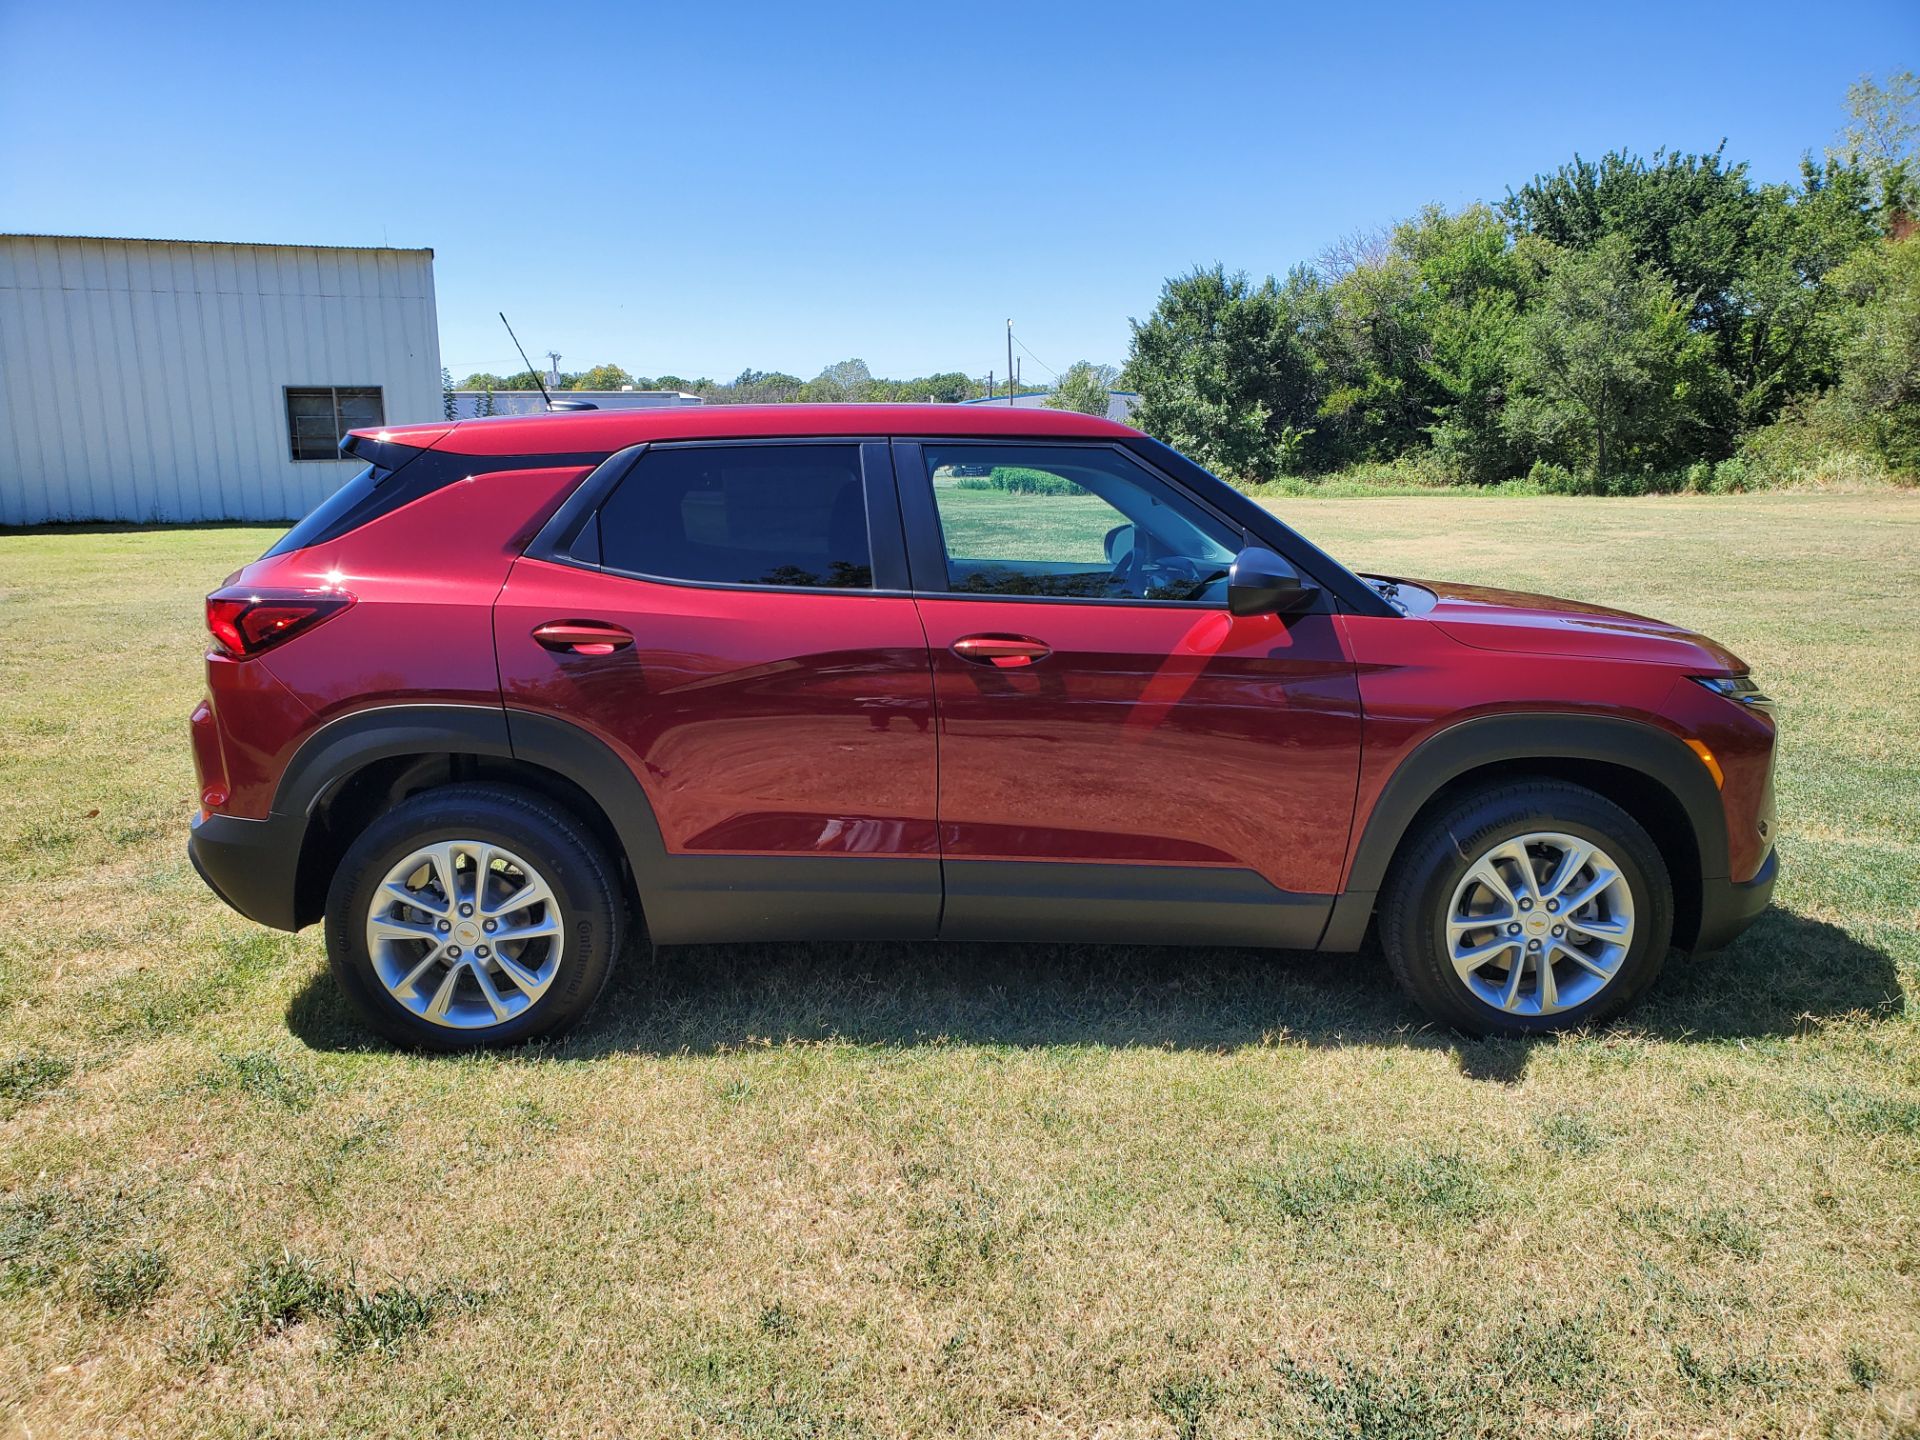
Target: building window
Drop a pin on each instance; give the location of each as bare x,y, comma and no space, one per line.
319,417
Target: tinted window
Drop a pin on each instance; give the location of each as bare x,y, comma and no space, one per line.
1081,523
399,476
742,515
330,512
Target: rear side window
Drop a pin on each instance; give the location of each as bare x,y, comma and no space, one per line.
398,476
326,517
742,515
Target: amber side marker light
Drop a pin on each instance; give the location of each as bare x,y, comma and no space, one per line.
1699,747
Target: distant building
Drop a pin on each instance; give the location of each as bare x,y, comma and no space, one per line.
151,380
467,403
1120,403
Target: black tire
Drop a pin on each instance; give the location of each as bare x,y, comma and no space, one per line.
589,905
1436,856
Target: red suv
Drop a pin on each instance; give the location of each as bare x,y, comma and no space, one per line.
526,687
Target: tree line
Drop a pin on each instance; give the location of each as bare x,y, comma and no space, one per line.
847,380
1624,324
1627,323
1082,386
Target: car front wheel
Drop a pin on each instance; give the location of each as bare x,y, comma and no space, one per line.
1525,908
473,915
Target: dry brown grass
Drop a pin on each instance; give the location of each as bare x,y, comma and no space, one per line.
932,1190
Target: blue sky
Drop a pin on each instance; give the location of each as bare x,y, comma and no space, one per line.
700,188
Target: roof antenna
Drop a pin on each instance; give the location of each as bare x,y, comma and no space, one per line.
528,363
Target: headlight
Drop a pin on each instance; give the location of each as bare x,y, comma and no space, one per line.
1738,688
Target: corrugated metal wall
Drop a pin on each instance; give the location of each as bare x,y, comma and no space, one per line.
145,380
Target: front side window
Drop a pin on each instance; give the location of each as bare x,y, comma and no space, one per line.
319,417
1079,523
742,515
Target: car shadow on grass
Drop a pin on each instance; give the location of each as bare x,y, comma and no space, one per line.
1787,975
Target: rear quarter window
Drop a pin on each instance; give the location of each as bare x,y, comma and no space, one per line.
410,475
322,520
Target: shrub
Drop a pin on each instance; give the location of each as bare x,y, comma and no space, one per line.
1551,479
1731,476
1018,480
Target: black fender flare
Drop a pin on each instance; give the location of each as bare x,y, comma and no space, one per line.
1512,739
380,732
589,762
348,744
344,746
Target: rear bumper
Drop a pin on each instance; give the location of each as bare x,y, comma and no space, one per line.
1728,907
253,865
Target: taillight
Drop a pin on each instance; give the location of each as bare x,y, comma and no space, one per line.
244,622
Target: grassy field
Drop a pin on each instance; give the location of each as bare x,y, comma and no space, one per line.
793,1191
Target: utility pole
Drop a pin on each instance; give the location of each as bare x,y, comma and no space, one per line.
1009,362
553,369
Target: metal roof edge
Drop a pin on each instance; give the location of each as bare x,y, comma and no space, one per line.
237,244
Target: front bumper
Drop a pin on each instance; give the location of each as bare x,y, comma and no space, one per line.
1728,907
253,865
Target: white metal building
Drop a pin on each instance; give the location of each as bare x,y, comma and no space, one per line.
153,380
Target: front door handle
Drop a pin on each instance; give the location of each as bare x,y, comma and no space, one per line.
582,637
1003,652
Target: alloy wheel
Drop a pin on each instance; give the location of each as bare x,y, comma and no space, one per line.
465,934
1540,924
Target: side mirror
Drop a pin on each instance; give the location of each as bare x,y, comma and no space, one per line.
1261,583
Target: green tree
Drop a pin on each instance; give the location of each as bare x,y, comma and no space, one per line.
1083,388
758,387
1685,215
1222,372
1876,404
846,380
1410,331
1363,325
447,405
1782,334
1604,362
1882,138
1473,286
601,377
949,387
1744,259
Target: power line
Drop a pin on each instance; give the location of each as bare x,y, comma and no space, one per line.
1036,359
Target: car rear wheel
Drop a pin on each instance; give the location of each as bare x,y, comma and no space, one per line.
1526,908
471,916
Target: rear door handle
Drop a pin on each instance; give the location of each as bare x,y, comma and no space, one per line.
1003,652
582,637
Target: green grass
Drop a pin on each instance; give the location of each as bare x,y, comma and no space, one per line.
929,1191
987,524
